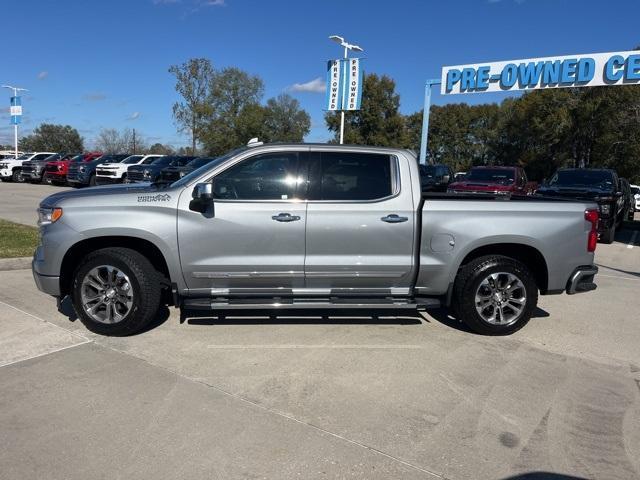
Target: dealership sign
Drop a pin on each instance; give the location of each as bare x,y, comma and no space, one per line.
344,84
15,110
600,69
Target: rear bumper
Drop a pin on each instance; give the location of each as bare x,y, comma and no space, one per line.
581,280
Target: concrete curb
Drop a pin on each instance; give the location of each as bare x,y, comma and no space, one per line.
20,263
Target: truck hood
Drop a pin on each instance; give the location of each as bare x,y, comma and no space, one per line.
101,192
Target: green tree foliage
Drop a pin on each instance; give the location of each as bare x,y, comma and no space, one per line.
194,80
49,137
234,99
160,149
379,121
284,120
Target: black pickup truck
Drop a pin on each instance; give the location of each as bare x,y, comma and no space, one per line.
600,185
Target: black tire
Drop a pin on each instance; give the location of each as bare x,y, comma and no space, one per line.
16,176
46,179
145,283
92,181
468,281
609,235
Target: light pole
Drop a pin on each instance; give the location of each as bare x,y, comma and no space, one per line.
15,125
347,47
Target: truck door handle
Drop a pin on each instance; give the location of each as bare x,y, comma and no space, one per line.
393,218
285,217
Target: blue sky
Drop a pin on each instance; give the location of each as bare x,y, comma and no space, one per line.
103,64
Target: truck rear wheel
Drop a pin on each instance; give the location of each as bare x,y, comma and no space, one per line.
495,295
116,291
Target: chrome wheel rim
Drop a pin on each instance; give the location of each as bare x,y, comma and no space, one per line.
501,298
107,294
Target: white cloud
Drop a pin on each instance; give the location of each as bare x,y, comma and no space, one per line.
134,116
213,3
42,75
94,97
316,85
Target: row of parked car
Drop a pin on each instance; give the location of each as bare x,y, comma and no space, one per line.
616,198
96,168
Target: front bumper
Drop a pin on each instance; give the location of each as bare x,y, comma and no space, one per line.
6,172
581,280
32,175
107,180
46,283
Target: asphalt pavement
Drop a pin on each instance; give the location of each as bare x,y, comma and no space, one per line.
333,397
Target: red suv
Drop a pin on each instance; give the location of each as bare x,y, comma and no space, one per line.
56,171
497,180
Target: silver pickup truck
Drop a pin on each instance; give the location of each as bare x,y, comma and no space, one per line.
309,227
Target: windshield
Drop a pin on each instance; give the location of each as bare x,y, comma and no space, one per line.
198,162
492,175
635,190
581,178
53,158
132,159
209,165
26,156
181,161
149,160
77,158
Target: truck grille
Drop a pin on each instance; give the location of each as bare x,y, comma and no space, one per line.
28,167
51,168
135,176
105,173
169,176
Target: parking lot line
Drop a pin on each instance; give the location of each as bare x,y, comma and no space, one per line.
633,239
45,353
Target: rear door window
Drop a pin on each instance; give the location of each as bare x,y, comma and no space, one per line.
350,176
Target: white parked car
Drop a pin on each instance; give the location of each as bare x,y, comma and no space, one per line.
11,168
635,190
107,173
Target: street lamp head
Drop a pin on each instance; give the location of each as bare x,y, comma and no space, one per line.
337,39
355,48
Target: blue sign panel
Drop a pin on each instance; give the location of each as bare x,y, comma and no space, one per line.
16,110
600,69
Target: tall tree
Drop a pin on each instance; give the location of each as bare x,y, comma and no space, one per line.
110,140
233,96
50,137
284,120
379,121
194,83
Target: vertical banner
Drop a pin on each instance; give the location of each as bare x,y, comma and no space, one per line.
16,110
334,85
353,91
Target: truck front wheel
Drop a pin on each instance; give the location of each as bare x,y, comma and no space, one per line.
495,295
116,291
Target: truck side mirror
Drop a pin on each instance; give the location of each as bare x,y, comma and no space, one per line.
202,197
446,178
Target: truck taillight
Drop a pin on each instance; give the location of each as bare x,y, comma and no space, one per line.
591,215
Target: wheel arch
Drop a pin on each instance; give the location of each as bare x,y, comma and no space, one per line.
76,252
530,256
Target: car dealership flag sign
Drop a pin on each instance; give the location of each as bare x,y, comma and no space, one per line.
15,110
600,69
344,84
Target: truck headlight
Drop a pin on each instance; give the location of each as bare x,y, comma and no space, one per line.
47,216
146,173
605,209
82,169
59,167
3,165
